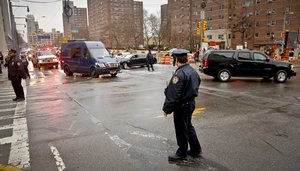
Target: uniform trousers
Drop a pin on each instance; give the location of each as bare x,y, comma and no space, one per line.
18,88
185,131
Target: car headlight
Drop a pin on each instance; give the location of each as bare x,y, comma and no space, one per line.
292,66
40,61
101,65
29,55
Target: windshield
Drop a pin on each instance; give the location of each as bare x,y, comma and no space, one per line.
44,53
99,52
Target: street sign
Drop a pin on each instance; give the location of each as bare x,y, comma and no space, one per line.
202,15
75,31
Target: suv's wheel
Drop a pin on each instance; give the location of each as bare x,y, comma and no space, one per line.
67,71
280,76
224,75
113,75
93,73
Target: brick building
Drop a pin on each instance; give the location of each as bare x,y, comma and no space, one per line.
74,21
255,23
179,20
118,23
80,26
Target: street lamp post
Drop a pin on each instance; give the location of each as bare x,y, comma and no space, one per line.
286,11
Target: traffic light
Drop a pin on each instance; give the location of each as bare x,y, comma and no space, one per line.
198,28
204,25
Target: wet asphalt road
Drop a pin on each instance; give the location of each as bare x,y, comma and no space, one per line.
80,123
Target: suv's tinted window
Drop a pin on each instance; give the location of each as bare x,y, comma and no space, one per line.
259,57
224,54
244,56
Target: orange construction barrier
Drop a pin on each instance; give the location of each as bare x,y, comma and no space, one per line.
162,60
167,60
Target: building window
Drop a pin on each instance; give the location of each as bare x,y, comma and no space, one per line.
257,24
221,36
209,37
271,23
256,35
270,34
257,1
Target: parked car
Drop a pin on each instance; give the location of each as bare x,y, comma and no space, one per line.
122,55
45,59
136,59
88,57
222,64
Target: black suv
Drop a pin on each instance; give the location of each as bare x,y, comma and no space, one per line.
222,64
136,59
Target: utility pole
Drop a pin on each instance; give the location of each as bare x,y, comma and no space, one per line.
202,19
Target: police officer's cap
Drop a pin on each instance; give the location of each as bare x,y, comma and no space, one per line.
180,52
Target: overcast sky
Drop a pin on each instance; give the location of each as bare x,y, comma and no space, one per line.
53,11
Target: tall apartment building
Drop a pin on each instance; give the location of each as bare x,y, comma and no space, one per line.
80,26
118,23
74,21
31,24
179,22
255,24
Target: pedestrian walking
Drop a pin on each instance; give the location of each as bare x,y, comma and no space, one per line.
15,74
150,60
174,59
180,99
196,56
25,64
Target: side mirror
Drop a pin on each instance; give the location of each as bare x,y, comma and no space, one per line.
267,59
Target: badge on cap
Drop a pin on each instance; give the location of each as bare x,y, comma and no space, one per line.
175,79
18,64
13,63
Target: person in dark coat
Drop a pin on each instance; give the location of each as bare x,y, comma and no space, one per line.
25,65
180,99
15,74
1,61
150,60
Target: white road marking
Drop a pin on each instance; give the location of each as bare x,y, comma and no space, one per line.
7,104
7,110
19,152
148,135
5,100
119,142
19,149
59,161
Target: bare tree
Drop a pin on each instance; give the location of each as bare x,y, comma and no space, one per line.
147,30
242,25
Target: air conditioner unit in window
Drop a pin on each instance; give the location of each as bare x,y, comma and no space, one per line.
270,1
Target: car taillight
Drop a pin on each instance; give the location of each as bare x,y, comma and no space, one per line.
205,63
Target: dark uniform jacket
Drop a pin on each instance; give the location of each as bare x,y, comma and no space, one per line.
15,68
182,88
150,58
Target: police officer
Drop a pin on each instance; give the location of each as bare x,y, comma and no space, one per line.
150,60
180,99
15,74
25,64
